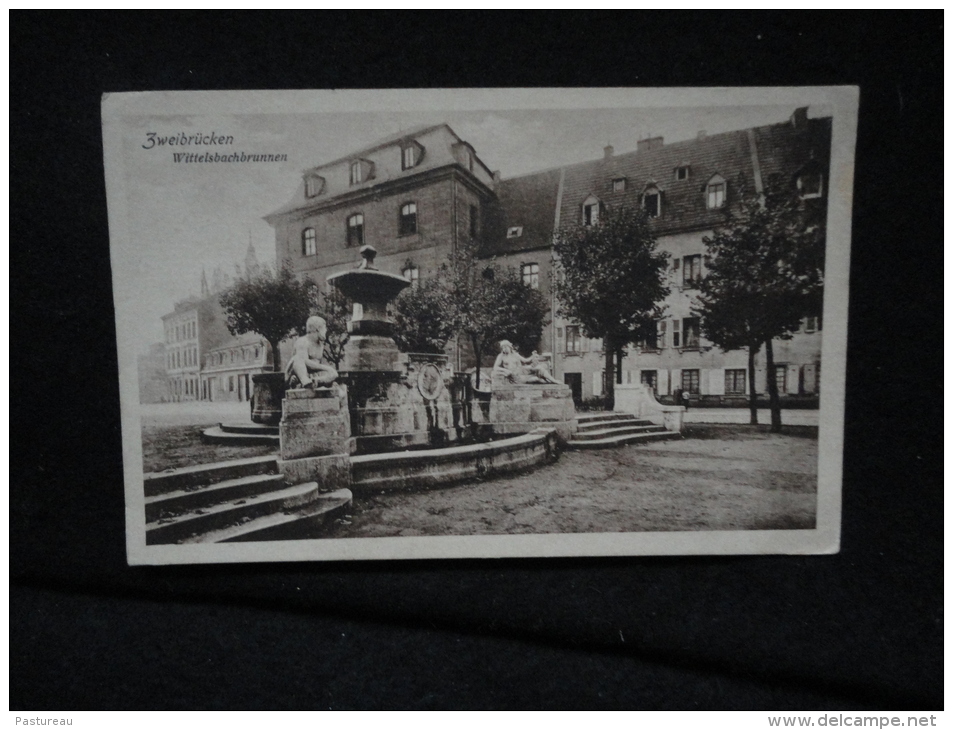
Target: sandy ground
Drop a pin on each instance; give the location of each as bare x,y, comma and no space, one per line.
717,478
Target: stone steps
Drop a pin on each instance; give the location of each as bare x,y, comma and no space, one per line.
621,439
599,433
189,477
303,524
172,504
605,430
241,434
586,426
199,522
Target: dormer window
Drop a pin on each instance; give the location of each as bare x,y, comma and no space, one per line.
682,172
715,192
592,209
652,201
810,185
514,231
313,186
411,153
361,171
618,185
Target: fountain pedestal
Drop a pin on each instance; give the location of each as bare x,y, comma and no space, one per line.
316,442
520,408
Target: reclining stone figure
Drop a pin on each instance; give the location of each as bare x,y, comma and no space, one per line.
510,367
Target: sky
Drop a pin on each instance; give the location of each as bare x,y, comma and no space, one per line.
183,218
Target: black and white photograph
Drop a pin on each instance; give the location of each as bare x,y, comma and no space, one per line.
407,324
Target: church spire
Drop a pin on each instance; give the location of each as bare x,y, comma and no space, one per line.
205,289
251,259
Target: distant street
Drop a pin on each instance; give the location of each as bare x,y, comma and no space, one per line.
193,413
742,415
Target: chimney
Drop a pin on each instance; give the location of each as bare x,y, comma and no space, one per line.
608,151
702,134
652,143
799,118
496,177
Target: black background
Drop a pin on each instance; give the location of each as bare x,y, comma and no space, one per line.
861,629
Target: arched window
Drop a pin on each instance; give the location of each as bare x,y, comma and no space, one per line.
715,192
407,224
309,242
355,230
652,201
412,274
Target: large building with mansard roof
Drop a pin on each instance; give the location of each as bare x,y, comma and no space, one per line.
416,195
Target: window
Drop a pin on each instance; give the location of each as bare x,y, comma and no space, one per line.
309,242
412,274
408,219
810,324
355,173
692,270
690,380
591,210
681,172
810,185
231,383
781,377
715,192
690,331
573,340
475,221
313,186
530,275
676,333
514,231
650,341
649,378
355,230
735,382
652,202
618,185
660,337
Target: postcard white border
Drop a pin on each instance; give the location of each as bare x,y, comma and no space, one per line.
843,100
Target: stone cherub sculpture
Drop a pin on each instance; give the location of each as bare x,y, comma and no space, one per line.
305,369
510,367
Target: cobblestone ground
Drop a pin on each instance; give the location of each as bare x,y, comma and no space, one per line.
717,478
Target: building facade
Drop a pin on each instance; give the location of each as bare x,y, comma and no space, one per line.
203,360
417,195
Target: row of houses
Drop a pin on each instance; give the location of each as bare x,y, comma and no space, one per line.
199,359
419,195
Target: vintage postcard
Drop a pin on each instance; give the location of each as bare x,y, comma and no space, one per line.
480,322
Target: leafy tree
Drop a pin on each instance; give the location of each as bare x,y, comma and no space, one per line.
424,316
491,303
765,272
273,304
611,281
336,310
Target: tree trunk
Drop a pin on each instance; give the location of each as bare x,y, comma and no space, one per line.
610,373
773,389
275,355
618,366
752,395
477,354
